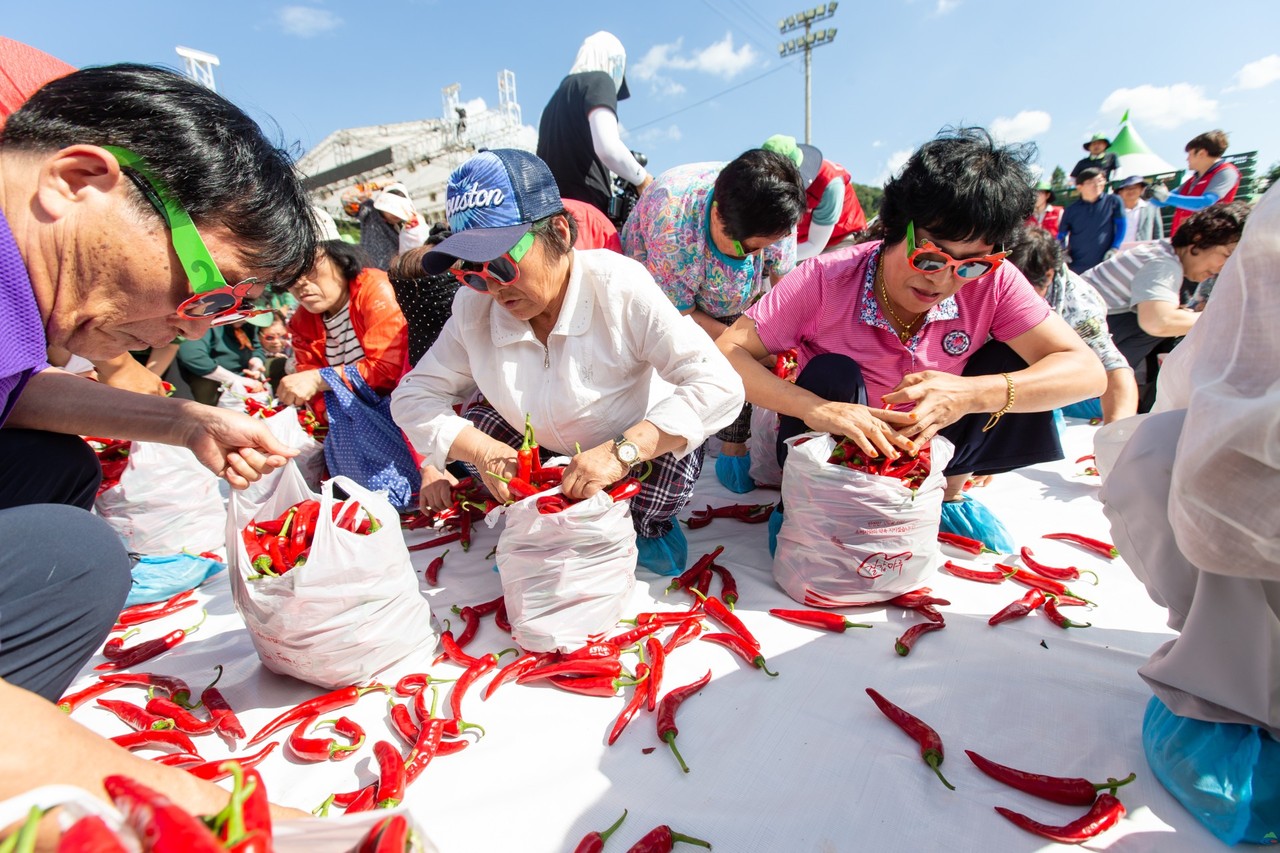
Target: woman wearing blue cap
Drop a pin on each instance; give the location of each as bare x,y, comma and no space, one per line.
576,340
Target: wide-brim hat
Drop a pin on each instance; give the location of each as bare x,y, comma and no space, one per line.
492,201
1132,181
1046,187
1095,138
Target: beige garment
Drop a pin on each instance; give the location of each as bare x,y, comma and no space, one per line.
1200,525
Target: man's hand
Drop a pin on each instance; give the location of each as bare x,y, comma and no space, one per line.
437,489
297,389
592,470
233,445
872,430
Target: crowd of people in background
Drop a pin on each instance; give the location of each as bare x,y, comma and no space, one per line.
956,312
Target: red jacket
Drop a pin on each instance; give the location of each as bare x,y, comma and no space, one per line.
1052,216
1195,186
851,216
378,324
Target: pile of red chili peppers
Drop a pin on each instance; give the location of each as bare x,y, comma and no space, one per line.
277,546
306,418
113,456
911,470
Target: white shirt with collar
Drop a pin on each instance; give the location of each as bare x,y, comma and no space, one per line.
619,353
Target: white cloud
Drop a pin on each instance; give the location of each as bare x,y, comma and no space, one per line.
475,106
1026,125
1255,75
877,144
945,6
307,21
1162,106
893,165
720,59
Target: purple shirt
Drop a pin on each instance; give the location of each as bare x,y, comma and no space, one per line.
21,328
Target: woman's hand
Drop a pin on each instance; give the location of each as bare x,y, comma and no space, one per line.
437,489
592,470
940,400
297,389
872,430
497,458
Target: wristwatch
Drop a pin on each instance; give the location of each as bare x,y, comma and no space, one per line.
626,451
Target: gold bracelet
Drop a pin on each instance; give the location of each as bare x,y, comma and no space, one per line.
1008,405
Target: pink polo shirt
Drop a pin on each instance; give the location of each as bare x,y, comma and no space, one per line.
828,304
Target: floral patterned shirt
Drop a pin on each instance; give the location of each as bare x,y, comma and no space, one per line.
669,232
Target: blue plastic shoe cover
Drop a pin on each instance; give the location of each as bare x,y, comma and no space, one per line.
158,578
1087,409
666,554
775,524
968,517
1226,774
734,473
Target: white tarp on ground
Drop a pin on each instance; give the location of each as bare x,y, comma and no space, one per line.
802,762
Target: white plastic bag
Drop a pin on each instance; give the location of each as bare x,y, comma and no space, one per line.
849,537
310,459
762,446
352,610
165,502
565,575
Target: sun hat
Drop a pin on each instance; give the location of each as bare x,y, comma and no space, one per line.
807,158
492,201
1046,187
1095,138
395,204
1132,181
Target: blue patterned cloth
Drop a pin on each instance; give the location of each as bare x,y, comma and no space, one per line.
364,443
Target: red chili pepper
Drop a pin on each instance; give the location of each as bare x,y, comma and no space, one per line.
636,634
1067,790
964,543
1056,617
211,697
434,567
389,835
624,490
728,586
1106,813
155,739
256,549
500,617
427,748
634,704
484,608
577,668
146,651
465,539
365,801
391,774
343,697
410,684
687,632
548,477
520,488
183,720
590,685
323,749
517,667
158,605
214,771
667,730
657,667
916,599
661,839
471,624
666,619
129,621
1070,573
818,619
716,609
163,826
174,686
904,643
600,649
403,723
1031,580
930,612
257,815
483,664
593,842
439,540
178,759
928,739
690,575
452,651
71,701
90,834
552,504
135,716
746,651
1106,549
113,649
702,586
1019,608
978,575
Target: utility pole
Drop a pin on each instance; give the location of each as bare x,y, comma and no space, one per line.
199,66
807,42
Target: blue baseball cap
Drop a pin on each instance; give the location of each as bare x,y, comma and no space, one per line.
492,201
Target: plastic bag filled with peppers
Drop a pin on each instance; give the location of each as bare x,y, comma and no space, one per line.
352,609
857,530
762,445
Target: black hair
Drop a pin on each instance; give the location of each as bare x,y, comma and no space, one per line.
1213,142
1036,253
961,186
1086,175
555,246
215,160
760,194
349,258
1219,225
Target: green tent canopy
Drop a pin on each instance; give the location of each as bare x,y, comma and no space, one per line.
1134,155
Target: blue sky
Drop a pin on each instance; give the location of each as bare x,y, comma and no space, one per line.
705,75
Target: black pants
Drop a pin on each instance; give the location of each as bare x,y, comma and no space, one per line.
1142,351
64,573
1016,441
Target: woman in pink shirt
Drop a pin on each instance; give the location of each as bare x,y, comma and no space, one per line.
927,330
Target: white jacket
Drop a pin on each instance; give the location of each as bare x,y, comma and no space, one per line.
619,353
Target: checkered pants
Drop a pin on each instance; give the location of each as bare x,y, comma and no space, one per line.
663,494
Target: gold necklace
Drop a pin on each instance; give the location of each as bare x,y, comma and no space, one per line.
905,334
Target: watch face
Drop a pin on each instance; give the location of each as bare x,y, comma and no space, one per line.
628,452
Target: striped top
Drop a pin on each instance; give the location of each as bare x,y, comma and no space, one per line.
341,346
1150,272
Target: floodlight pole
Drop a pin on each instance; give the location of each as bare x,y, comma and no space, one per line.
807,43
